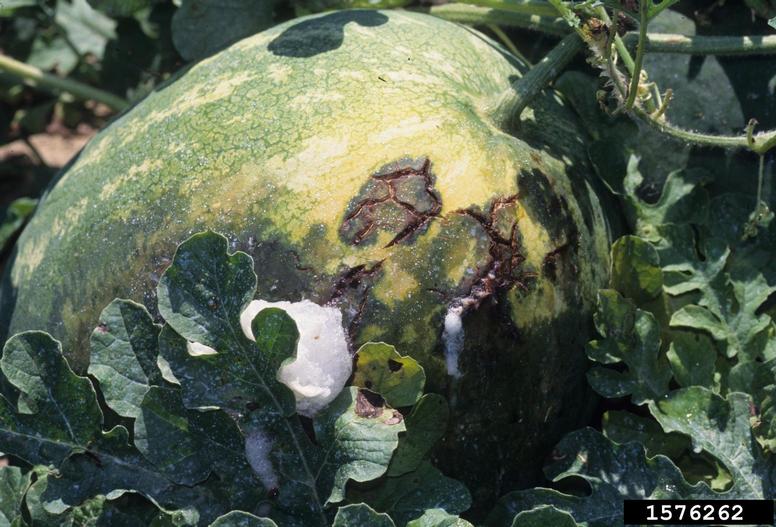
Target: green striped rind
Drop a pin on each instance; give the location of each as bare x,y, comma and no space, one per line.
280,140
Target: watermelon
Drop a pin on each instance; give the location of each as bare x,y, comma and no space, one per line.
366,160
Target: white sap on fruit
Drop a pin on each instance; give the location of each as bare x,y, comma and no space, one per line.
452,337
323,362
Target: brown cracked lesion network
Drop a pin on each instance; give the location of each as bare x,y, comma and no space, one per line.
399,198
505,266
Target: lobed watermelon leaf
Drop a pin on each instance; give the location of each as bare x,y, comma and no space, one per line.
630,336
613,473
729,312
205,435
201,296
721,427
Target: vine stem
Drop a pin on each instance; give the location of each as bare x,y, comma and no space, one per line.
512,103
633,90
759,143
704,45
497,12
477,15
619,45
531,7
37,77
466,13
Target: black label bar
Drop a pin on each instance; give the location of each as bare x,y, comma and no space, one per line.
698,512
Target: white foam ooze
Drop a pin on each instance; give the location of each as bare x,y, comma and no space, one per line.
323,362
452,337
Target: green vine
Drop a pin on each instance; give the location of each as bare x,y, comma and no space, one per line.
36,77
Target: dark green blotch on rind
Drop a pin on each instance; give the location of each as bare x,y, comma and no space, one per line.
497,409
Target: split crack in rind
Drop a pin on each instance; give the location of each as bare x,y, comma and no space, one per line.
504,270
406,185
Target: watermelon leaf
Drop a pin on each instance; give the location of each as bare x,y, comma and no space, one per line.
87,30
426,424
729,312
544,515
605,466
361,514
759,380
15,216
438,518
242,519
636,269
692,356
630,336
124,352
57,413
407,496
721,427
201,295
13,487
381,369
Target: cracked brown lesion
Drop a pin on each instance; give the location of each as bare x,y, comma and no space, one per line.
505,266
351,292
399,198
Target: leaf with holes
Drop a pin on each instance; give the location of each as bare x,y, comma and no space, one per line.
380,368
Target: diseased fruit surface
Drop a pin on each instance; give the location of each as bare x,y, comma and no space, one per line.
363,159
